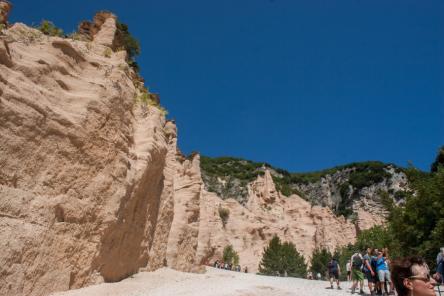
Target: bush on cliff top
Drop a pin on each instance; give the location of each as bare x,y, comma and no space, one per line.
48,28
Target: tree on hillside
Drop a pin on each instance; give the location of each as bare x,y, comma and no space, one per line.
319,261
270,263
293,263
230,256
418,225
282,259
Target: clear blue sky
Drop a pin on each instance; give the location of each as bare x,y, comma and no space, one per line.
302,85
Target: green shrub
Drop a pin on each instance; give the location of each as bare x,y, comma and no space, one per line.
129,43
230,256
224,214
319,261
48,28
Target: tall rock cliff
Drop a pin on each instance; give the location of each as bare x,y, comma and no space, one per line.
84,185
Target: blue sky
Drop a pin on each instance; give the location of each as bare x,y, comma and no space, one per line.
302,85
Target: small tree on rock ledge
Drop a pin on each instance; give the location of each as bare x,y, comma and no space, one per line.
224,214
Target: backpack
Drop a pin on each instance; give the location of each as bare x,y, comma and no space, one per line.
333,266
357,261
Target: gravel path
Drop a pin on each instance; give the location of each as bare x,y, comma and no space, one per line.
214,282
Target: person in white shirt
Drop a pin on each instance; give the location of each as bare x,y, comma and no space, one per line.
348,269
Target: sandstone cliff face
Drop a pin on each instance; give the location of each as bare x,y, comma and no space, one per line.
82,165
176,237
250,228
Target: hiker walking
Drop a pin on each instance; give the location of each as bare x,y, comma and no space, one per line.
357,275
348,269
369,272
333,272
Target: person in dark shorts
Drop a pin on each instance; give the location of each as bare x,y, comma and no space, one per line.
333,272
369,273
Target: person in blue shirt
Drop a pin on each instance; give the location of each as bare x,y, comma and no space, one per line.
383,272
333,272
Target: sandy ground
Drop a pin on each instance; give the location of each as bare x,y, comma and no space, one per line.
214,282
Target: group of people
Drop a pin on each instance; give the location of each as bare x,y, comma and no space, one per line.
229,266
410,276
374,266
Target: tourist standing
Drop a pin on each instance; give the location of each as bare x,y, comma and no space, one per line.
348,269
369,273
383,272
357,275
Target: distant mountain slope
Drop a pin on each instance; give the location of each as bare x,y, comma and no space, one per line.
338,188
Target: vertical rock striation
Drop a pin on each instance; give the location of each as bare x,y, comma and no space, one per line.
81,171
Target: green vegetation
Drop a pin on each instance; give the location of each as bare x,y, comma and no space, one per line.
238,168
418,225
319,261
48,28
282,259
224,214
129,44
146,98
230,256
415,227
229,176
236,173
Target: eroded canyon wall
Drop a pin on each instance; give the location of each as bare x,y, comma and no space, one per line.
82,164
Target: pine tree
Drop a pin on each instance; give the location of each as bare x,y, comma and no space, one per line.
282,259
319,261
292,263
271,261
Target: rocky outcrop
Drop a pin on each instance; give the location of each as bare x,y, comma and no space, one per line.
176,238
82,164
266,214
346,190
5,8
102,29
